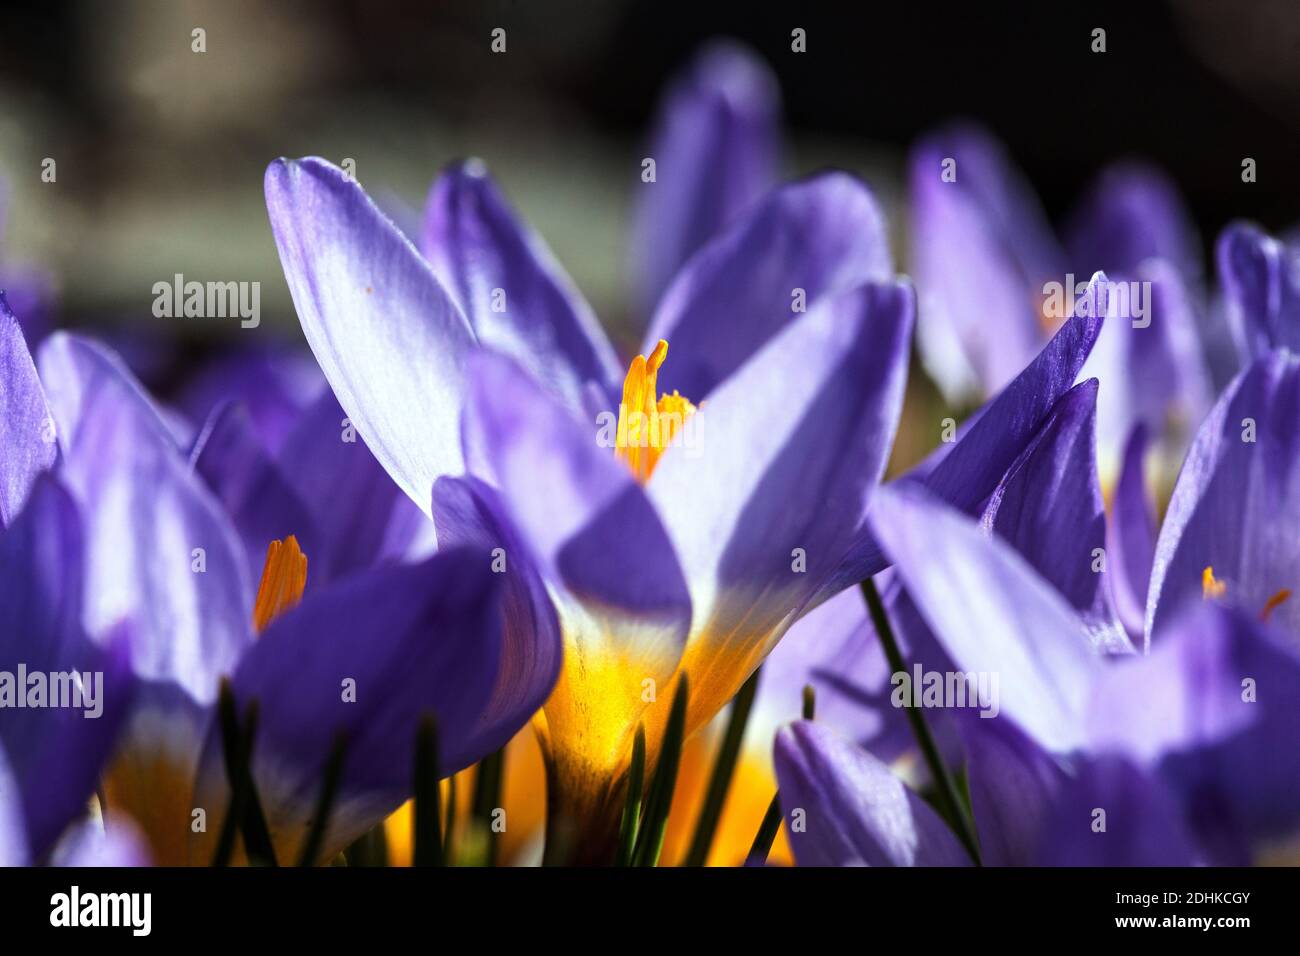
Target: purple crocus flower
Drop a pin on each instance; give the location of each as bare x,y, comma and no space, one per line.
479,358
1193,736
983,252
715,144
356,657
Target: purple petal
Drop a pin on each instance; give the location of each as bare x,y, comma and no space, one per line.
13,828
1132,537
766,506
57,752
1261,281
389,338
1236,506
1014,785
992,613
993,437
1215,708
1150,367
715,151
114,843
258,498
1142,825
1131,214
824,236
26,429
981,252
1049,508
361,515
855,812
834,649
515,294
160,550
368,658
579,508
275,384
469,513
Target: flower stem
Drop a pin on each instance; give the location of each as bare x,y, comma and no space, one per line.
946,789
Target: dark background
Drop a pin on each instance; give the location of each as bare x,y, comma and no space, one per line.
161,151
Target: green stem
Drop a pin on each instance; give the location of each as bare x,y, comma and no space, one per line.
650,841
325,803
635,794
946,789
723,769
771,824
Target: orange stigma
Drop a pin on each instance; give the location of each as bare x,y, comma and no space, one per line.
646,425
284,578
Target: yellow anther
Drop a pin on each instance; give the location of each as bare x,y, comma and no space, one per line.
1210,587
646,425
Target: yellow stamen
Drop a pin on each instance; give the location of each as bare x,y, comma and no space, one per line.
1210,587
1280,598
647,426
284,578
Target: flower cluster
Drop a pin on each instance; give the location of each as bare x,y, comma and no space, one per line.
471,543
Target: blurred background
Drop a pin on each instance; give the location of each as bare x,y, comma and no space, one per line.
160,151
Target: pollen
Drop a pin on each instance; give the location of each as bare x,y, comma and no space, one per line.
1210,586
646,424
1278,599
284,578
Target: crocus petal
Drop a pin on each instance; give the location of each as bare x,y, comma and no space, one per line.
1132,536
1143,823
1150,365
1215,708
360,513
715,153
515,294
771,499
257,496
623,604
274,383
13,829
820,237
992,613
160,551
368,658
58,749
1236,507
993,437
115,842
1013,787
26,429
389,338
982,250
1261,280
469,513
834,650
1131,214
1049,508
855,811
